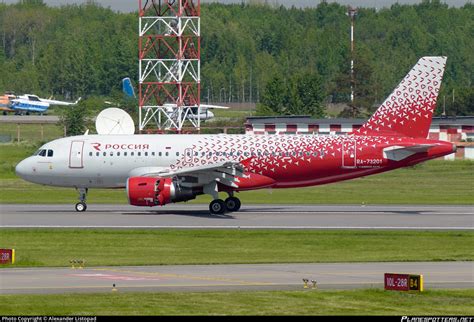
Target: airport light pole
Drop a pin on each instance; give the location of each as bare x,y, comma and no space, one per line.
352,12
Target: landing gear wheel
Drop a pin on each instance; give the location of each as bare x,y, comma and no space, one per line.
217,207
232,204
81,206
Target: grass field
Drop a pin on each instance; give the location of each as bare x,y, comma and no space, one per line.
32,133
356,302
55,247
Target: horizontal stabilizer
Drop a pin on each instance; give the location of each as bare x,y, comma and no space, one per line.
397,153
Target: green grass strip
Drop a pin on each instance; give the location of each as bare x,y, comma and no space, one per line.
314,302
55,247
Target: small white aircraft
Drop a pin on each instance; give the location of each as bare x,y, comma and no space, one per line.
170,108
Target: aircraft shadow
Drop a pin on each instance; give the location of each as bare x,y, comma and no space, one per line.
189,213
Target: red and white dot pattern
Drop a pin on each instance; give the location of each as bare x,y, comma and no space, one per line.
409,109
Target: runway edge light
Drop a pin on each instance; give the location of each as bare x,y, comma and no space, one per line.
403,282
7,256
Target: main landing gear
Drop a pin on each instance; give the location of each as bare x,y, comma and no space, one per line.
81,206
219,206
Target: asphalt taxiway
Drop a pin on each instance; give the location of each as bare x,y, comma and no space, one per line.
185,278
426,217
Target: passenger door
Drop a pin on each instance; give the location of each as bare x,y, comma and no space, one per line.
76,154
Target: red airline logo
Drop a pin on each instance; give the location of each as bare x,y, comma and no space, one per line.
125,146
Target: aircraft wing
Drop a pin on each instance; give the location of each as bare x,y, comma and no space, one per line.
235,167
225,172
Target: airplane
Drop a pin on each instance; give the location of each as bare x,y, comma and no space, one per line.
206,114
32,103
159,169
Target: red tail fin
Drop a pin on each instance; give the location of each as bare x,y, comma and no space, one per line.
409,109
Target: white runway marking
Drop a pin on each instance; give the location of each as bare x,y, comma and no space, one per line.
245,227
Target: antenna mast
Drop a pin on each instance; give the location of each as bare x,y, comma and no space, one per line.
169,63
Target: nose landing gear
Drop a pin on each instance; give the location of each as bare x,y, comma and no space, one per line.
81,206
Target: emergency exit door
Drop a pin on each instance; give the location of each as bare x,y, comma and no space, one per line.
76,154
349,154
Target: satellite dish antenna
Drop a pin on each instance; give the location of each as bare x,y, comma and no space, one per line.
114,121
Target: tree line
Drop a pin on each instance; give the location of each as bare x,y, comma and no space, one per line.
249,52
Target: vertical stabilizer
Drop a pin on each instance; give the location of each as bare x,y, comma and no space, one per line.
127,87
409,109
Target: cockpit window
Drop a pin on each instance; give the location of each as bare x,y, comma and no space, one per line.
44,152
33,98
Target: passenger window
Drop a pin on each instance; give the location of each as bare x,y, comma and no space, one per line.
139,154
167,153
105,154
97,154
111,154
125,154
118,154
90,154
132,154
177,154
159,154
146,154
153,154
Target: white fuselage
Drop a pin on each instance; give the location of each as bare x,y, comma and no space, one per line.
107,161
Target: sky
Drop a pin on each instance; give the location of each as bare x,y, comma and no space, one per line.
131,5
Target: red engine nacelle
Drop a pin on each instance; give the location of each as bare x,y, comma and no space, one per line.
145,191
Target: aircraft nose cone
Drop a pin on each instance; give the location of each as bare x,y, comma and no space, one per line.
21,169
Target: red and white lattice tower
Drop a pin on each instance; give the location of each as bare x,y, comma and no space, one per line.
169,63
